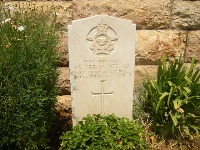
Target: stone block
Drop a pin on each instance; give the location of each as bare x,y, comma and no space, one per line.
63,106
196,68
186,15
193,46
146,14
152,44
144,72
63,81
62,49
60,10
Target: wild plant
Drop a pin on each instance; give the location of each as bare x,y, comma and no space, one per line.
27,77
105,132
173,100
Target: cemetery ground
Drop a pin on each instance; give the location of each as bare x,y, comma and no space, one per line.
63,123
152,123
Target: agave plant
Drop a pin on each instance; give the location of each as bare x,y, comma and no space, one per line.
173,99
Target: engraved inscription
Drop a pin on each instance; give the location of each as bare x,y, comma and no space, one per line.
102,94
101,69
102,39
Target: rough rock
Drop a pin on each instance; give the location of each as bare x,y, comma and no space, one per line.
60,11
143,72
193,46
197,67
152,44
62,121
147,14
62,49
63,81
186,15
63,106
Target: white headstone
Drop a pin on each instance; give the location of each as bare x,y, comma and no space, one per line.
102,60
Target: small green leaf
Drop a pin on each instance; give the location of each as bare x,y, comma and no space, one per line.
187,89
174,119
119,133
177,103
170,93
188,80
161,99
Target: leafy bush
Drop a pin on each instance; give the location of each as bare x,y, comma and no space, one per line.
105,132
173,100
27,79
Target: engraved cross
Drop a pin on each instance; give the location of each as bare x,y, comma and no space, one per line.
102,94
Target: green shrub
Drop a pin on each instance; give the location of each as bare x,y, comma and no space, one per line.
27,79
105,132
173,100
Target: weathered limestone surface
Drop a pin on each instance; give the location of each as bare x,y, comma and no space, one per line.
197,67
147,14
63,106
193,45
37,0
62,11
63,81
152,44
186,15
62,49
143,72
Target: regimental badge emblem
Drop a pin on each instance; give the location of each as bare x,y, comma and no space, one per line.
102,39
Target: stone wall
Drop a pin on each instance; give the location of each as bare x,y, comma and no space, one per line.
163,26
